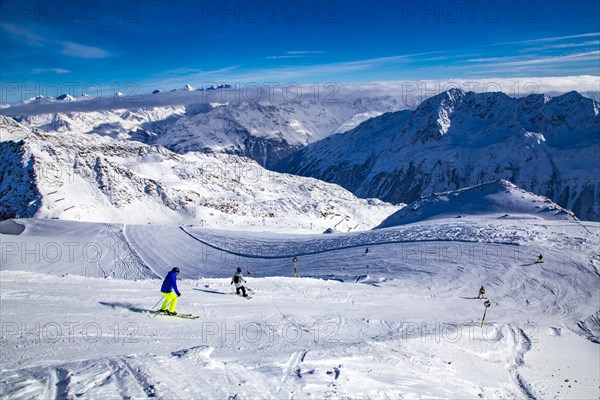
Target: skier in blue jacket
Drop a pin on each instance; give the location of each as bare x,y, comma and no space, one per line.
170,291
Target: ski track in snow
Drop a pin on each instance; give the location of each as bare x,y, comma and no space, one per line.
519,345
136,255
409,328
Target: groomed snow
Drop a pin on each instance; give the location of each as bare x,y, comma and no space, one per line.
73,325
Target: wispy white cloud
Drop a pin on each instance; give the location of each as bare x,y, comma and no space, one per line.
512,61
299,54
561,46
72,49
67,48
286,74
552,39
23,33
306,52
572,45
290,56
45,70
493,59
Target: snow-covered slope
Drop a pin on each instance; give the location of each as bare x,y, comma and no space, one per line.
410,328
500,199
89,177
548,146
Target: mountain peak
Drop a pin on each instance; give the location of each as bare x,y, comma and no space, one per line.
572,95
574,99
65,96
447,99
454,93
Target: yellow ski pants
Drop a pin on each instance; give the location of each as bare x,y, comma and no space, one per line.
170,298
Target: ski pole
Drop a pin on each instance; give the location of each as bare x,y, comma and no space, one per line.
156,303
486,304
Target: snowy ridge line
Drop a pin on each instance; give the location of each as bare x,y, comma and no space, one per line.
310,253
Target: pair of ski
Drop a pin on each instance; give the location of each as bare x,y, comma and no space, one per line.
178,315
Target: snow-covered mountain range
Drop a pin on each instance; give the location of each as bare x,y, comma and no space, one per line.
89,177
265,131
269,131
139,124
545,145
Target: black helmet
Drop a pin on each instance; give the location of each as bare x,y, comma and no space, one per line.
239,269
176,270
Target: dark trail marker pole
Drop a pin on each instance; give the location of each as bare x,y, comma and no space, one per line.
486,304
295,261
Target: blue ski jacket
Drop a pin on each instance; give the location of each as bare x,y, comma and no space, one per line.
170,284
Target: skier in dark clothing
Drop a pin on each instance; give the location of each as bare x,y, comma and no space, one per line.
170,291
481,293
239,281
540,259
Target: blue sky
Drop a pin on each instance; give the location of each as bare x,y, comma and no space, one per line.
136,46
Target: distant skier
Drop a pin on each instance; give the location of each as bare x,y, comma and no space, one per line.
540,259
170,291
481,293
239,281
366,251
